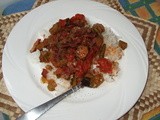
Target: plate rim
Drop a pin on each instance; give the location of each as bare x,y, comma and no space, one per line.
5,49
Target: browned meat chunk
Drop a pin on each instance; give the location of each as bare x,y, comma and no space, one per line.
122,44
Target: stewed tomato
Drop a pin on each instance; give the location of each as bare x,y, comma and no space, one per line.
105,65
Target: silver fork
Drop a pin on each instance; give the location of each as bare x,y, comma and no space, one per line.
38,111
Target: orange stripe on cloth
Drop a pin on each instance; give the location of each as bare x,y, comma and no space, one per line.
143,13
151,114
158,37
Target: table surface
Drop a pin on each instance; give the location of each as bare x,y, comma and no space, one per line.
148,105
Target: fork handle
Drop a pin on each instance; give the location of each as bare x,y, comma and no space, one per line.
36,112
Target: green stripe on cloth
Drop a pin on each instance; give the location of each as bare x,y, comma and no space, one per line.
157,117
146,9
157,49
3,116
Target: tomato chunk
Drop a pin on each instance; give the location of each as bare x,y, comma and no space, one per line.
62,23
105,65
44,73
79,69
78,17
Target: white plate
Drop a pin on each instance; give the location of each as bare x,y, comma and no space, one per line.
111,100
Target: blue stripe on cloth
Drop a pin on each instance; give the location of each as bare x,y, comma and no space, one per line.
157,48
157,117
19,6
3,116
123,3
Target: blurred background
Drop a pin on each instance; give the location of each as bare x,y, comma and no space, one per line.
5,3
13,6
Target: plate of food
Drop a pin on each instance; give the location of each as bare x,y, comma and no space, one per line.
53,47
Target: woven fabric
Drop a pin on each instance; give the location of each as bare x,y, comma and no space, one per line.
149,10
148,104
146,9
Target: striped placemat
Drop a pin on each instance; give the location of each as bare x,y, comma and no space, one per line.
149,103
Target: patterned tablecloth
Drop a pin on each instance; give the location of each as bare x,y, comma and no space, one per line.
148,105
